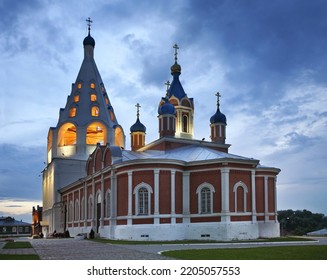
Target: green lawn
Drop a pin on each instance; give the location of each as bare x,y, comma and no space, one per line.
307,252
132,242
19,257
17,245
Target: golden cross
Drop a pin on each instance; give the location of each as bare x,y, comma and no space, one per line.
176,47
167,85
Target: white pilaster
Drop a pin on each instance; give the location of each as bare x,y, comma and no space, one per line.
172,196
253,189
102,201
156,196
275,197
130,196
225,195
266,197
186,197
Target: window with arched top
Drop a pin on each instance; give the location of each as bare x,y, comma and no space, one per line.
67,135
76,98
96,132
79,85
240,191
95,111
205,198
142,194
119,137
93,97
70,212
72,112
185,123
92,85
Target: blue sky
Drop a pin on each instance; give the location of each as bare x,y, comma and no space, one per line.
267,58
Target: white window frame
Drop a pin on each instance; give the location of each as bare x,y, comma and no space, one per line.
136,193
199,193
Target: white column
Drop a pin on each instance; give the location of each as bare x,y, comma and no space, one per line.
93,212
113,202
156,196
102,200
266,198
130,197
186,197
225,195
275,197
85,204
172,196
254,210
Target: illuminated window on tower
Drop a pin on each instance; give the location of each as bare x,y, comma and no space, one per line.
76,98
93,97
72,112
92,85
79,85
95,111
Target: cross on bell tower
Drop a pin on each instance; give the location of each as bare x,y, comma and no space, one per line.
89,21
176,47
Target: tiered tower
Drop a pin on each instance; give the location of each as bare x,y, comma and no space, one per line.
87,119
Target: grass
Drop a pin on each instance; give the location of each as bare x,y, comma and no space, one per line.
133,242
19,257
308,252
17,245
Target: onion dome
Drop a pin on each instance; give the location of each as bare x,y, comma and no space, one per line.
218,117
89,41
138,126
175,69
167,108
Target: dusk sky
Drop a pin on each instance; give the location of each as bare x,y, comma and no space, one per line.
268,59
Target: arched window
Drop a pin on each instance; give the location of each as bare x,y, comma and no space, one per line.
95,111
143,199
67,135
96,133
119,137
92,85
72,112
107,208
240,195
76,210
76,98
79,85
185,123
93,97
205,198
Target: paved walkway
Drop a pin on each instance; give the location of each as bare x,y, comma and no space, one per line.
72,249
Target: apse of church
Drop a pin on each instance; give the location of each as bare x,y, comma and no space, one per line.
172,188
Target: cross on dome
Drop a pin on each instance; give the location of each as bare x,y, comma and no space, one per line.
176,47
89,21
138,106
218,98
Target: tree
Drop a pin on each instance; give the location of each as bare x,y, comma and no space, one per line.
300,222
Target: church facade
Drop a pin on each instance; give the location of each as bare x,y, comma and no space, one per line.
173,188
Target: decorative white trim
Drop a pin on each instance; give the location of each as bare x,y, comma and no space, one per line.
136,191
245,191
198,192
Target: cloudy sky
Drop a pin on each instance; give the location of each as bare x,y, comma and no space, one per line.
267,58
